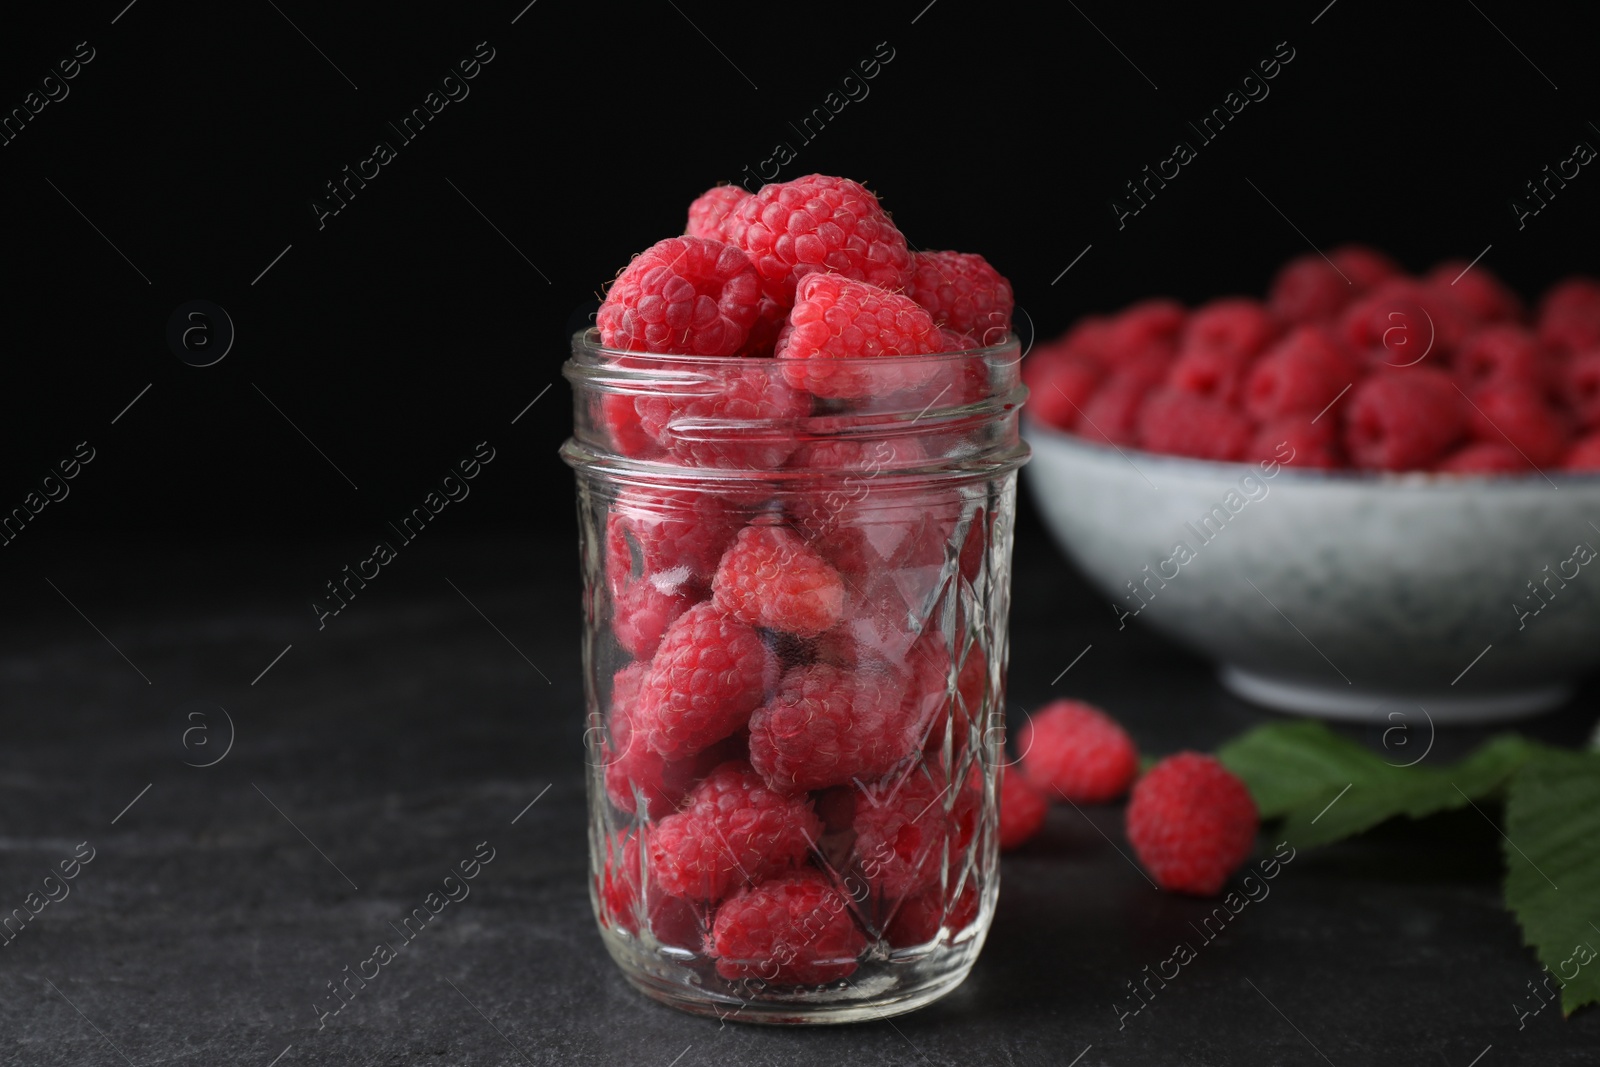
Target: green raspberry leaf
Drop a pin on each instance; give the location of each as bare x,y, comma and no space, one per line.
1329,788
1552,851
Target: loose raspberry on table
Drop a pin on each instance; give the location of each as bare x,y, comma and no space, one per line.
770,578
1584,455
710,208
1298,442
818,223
1300,375
827,725
1500,355
683,295
654,531
744,417
1023,807
1235,326
645,607
962,292
1578,383
732,830
671,920
1569,315
1399,420
709,673
1308,289
1484,457
1478,290
834,319
1182,424
1077,750
906,828
918,919
793,930
1192,823
1520,417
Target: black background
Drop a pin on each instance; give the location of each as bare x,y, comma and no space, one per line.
407,329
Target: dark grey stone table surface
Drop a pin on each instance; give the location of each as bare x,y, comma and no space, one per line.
370,757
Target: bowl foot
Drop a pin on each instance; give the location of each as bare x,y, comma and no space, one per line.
1349,704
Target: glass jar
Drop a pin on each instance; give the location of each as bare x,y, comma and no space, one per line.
796,587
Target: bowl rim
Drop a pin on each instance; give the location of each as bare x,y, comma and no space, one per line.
1033,429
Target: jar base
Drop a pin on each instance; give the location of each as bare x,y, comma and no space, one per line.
879,990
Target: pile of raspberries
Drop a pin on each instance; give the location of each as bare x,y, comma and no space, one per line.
782,746
1349,363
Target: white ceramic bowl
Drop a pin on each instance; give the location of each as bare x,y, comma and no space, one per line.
1342,594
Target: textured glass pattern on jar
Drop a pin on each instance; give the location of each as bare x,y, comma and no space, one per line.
795,646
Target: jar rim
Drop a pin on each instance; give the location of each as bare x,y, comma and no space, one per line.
586,343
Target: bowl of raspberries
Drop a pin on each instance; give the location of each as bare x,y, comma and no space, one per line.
1369,493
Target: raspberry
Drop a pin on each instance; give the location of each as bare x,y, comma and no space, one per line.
1150,326
1079,751
672,920
708,675
666,530
830,726
1112,415
1366,268
1023,808
958,342
1210,373
1584,455
1300,375
620,417
683,295
818,223
1308,289
1183,424
1484,458
1401,323
743,417
972,688
1090,336
918,919
1519,416
710,208
1579,385
634,770
1237,327
1499,355
770,578
1060,384
907,829
772,318
1296,442
645,608
732,830
1478,290
962,292
1403,420
1569,315
1191,823
795,930
835,318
